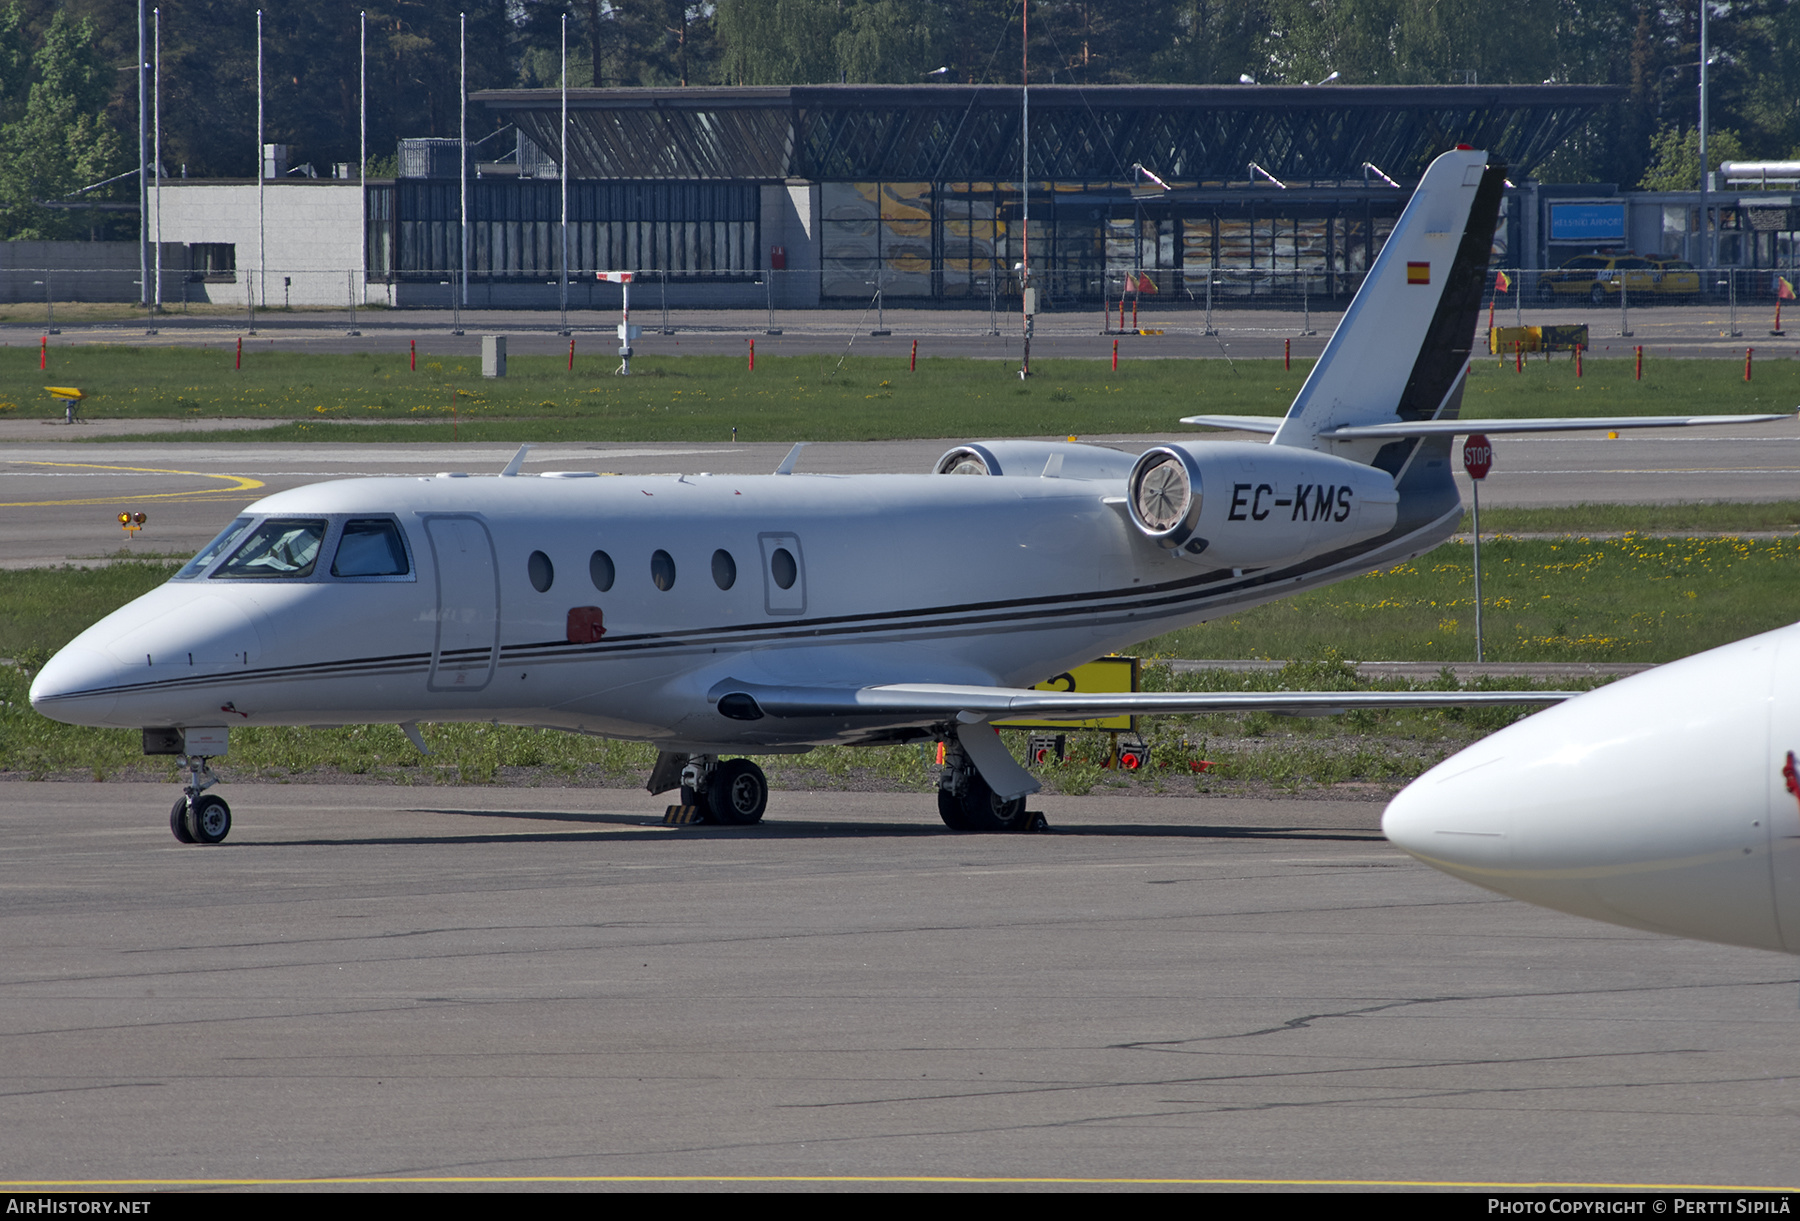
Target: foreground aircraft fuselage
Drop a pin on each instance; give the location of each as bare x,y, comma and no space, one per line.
1669,801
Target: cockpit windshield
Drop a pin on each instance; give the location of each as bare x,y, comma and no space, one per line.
279,547
214,549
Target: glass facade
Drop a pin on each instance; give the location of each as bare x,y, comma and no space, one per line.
705,230
1089,241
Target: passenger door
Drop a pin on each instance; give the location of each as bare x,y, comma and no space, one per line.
468,604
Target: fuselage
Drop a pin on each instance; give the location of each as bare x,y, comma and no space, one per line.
611,605
1668,801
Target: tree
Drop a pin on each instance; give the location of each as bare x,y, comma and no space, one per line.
54,138
1675,157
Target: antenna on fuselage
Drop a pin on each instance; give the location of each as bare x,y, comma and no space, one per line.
518,460
787,463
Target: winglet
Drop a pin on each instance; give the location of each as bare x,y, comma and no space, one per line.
518,460
787,463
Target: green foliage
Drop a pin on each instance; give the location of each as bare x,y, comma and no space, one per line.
1675,157
54,137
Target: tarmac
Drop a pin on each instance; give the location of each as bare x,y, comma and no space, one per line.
419,988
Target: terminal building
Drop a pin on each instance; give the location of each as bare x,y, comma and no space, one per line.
802,196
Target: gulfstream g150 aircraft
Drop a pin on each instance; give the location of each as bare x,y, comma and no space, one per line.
717,615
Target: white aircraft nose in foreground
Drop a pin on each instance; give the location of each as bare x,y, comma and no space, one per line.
1669,801
718,615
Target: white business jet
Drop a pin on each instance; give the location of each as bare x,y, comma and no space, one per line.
1669,801
714,615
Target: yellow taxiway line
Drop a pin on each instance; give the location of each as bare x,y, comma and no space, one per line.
239,483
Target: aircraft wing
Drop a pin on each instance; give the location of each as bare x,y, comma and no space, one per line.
1456,428
923,701
1270,424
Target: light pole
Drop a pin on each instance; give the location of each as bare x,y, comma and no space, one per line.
462,147
143,186
562,173
156,162
49,309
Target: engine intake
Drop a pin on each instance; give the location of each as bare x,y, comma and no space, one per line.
1242,505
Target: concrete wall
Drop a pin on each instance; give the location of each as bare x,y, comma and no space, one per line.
790,219
312,234
80,271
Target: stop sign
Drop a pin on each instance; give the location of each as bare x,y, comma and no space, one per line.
1478,456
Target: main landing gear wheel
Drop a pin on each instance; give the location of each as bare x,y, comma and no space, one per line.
208,820
979,810
951,811
737,793
178,820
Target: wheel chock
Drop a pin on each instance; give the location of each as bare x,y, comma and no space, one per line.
679,816
1035,822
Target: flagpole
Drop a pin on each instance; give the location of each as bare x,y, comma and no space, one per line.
143,184
462,147
1025,293
262,175
562,172
156,166
362,169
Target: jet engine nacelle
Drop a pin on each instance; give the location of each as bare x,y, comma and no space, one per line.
1061,459
1231,504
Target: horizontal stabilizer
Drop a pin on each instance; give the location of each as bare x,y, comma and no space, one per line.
902,703
1242,423
1457,428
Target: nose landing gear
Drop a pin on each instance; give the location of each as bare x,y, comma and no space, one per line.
197,819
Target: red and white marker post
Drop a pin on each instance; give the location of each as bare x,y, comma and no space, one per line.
1478,460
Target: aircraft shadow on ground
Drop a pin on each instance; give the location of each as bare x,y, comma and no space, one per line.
637,827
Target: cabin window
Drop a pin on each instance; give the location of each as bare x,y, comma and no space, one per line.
279,548
370,549
213,550
783,568
541,571
601,571
724,569
662,570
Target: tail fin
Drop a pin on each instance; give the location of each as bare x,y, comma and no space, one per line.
1402,349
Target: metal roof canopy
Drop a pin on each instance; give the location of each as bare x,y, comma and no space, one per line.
942,133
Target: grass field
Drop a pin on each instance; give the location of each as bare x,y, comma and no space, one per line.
1643,598
1775,515
787,398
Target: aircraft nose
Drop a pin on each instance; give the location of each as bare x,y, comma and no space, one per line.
78,685
1645,803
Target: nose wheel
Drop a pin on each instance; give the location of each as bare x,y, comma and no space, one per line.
197,817
178,820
